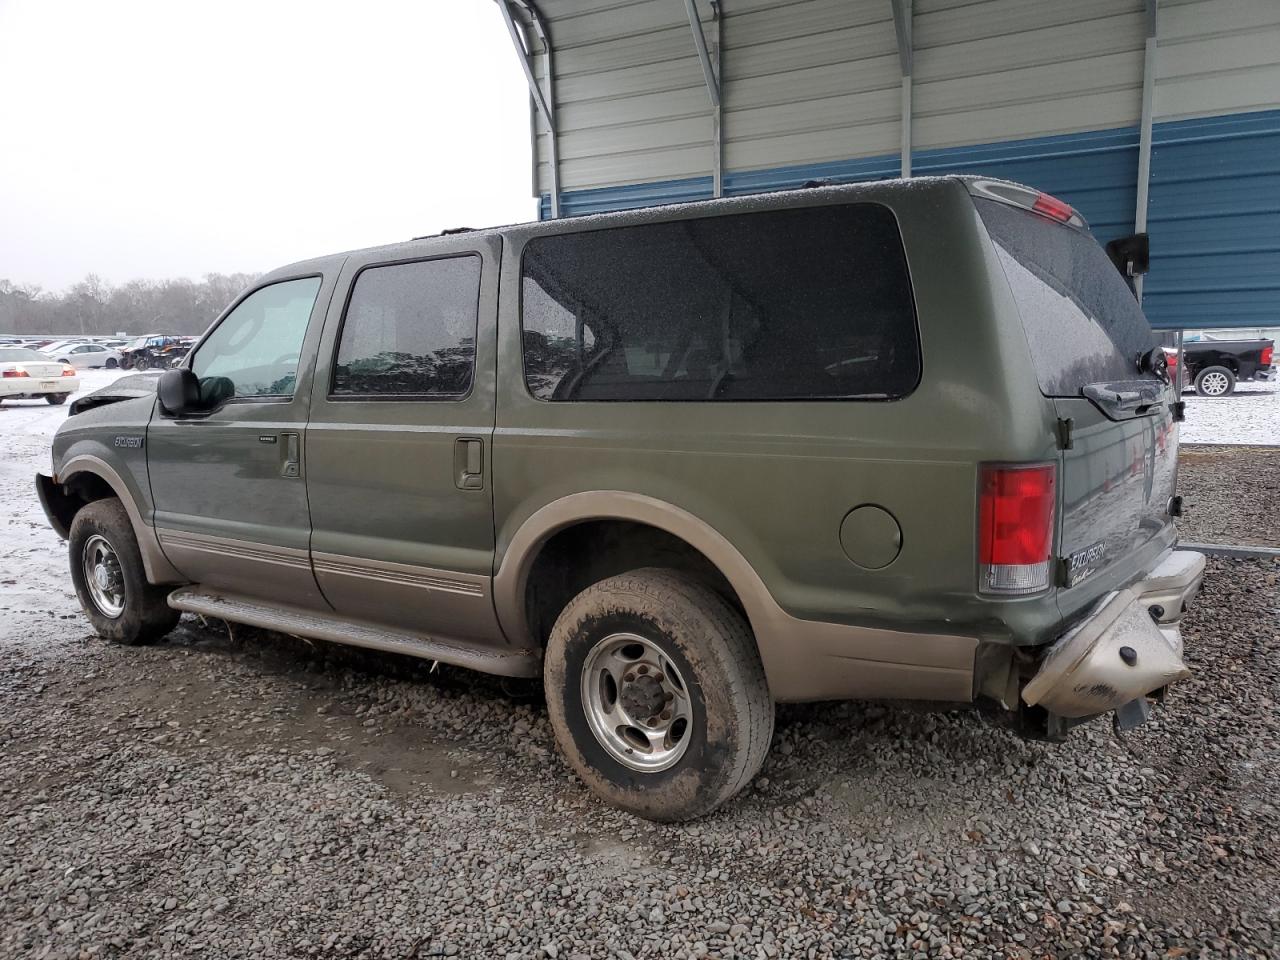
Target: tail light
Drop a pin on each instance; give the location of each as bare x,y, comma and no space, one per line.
1268,352
1016,506
68,370
16,373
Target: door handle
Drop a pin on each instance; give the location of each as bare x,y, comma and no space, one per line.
468,463
291,461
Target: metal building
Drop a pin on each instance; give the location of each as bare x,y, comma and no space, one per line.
1142,115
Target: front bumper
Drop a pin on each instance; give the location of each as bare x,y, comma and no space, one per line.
1129,646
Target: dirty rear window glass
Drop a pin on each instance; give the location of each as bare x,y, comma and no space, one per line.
812,303
1082,321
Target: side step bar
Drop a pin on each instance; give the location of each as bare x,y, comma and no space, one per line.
336,629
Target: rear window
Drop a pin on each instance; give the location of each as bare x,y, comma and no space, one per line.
812,303
18,354
1082,321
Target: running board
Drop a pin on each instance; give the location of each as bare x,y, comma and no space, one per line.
335,629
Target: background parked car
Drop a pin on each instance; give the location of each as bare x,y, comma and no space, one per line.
29,375
154,351
86,355
1213,367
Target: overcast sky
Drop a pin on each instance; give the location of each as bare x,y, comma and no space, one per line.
161,138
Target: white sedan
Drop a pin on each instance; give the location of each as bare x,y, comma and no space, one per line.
81,355
28,375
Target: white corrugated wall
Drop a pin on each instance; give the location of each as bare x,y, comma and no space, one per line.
809,81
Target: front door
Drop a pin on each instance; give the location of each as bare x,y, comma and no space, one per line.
398,445
229,482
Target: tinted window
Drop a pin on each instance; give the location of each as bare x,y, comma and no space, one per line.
787,304
254,351
1082,320
410,330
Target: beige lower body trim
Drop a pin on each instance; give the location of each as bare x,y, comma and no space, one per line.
252,569
406,597
803,659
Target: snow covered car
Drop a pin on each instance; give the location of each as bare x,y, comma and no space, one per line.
29,375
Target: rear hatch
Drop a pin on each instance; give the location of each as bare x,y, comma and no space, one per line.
1096,359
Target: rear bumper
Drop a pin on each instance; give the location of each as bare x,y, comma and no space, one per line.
29,388
1129,646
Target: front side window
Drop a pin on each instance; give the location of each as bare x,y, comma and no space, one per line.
812,303
410,331
254,351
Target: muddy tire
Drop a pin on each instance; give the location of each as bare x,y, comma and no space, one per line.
1215,381
106,568
656,694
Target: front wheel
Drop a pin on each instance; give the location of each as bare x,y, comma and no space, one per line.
1215,382
656,694
110,580
111,363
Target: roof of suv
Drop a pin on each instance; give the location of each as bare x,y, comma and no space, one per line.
587,221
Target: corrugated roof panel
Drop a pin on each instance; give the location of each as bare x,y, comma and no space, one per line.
1036,118
937,23
828,144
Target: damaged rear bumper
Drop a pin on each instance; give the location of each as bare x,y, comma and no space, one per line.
1128,647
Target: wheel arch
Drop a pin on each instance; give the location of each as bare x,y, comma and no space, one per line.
86,478
740,584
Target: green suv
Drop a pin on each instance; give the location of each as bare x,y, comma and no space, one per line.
896,440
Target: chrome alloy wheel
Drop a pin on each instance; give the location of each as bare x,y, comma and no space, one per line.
637,703
1214,384
103,577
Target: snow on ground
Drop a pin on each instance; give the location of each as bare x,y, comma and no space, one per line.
34,582
1250,415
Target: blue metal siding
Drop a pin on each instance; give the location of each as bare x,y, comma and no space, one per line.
1214,204
1214,220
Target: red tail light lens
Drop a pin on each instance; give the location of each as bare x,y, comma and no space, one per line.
16,373
68,370
1267,353
1016,506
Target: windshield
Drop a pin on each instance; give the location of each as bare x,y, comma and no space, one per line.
19,354
1082,321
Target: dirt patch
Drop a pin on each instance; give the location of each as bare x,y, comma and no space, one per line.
1230,494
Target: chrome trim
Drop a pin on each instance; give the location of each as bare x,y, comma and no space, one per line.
237,549
399,574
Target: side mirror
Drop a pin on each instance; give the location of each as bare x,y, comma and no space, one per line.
179,392
1131,255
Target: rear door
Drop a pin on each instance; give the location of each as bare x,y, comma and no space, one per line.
1087,336
399,440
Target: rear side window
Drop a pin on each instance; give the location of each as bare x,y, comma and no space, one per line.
1083,323
812,303
410,331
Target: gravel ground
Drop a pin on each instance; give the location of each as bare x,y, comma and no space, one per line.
242,795
1231,494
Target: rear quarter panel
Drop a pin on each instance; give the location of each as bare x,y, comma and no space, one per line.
776,479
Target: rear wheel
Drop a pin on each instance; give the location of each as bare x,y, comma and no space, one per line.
110,580
657,695
55,398
1215,382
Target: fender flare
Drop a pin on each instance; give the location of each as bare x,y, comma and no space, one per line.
511,580
156,565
